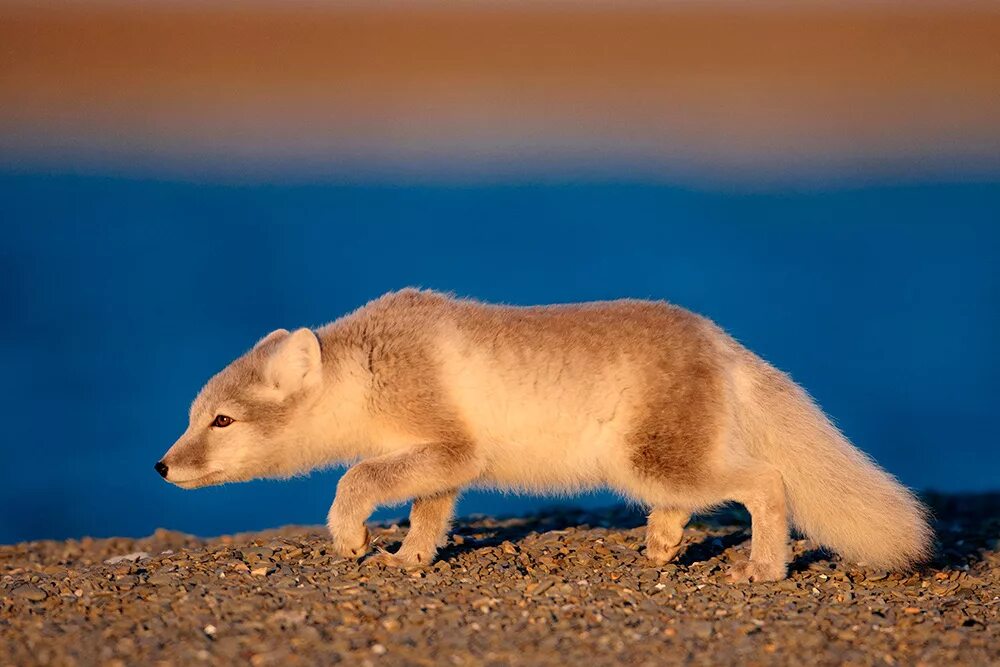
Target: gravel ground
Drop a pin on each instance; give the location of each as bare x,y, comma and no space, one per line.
558,587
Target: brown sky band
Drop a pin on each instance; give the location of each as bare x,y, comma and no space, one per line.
430,91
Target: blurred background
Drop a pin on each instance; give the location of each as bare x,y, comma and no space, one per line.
177,179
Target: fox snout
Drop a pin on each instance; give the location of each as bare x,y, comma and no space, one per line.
185,463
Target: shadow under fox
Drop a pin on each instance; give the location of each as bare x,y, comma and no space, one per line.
430,394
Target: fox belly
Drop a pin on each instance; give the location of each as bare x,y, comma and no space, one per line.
541,428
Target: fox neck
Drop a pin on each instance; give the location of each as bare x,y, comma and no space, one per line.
342,420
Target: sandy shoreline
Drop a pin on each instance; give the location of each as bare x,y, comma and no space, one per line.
558,587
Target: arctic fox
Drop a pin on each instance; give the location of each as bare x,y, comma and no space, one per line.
430,394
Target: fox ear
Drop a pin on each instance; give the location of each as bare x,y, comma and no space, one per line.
275,335
294,364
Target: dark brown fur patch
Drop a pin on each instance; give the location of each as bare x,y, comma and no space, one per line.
678,426
681,418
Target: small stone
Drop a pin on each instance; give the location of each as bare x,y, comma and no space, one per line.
30,592
701,629
543,586
160,579
127,558
257,553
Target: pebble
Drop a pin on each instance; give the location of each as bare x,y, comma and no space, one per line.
29,592
160,579
127,558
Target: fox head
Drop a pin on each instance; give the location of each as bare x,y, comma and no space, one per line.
252,419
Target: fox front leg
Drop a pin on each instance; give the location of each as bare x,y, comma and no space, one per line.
431,473
430,517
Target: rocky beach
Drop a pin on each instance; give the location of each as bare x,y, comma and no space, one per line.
563,586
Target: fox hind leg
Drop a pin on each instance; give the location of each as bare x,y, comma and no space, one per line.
668,472
759,487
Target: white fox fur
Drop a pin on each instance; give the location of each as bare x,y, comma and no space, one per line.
432,394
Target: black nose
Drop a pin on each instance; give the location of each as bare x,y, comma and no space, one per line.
161,468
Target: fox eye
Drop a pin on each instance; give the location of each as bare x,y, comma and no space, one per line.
222,421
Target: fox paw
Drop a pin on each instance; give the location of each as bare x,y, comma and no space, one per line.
755,571
353,544
403,558
660,554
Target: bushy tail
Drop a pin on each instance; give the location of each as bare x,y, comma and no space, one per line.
836,495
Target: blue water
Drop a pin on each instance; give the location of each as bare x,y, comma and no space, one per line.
120,297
